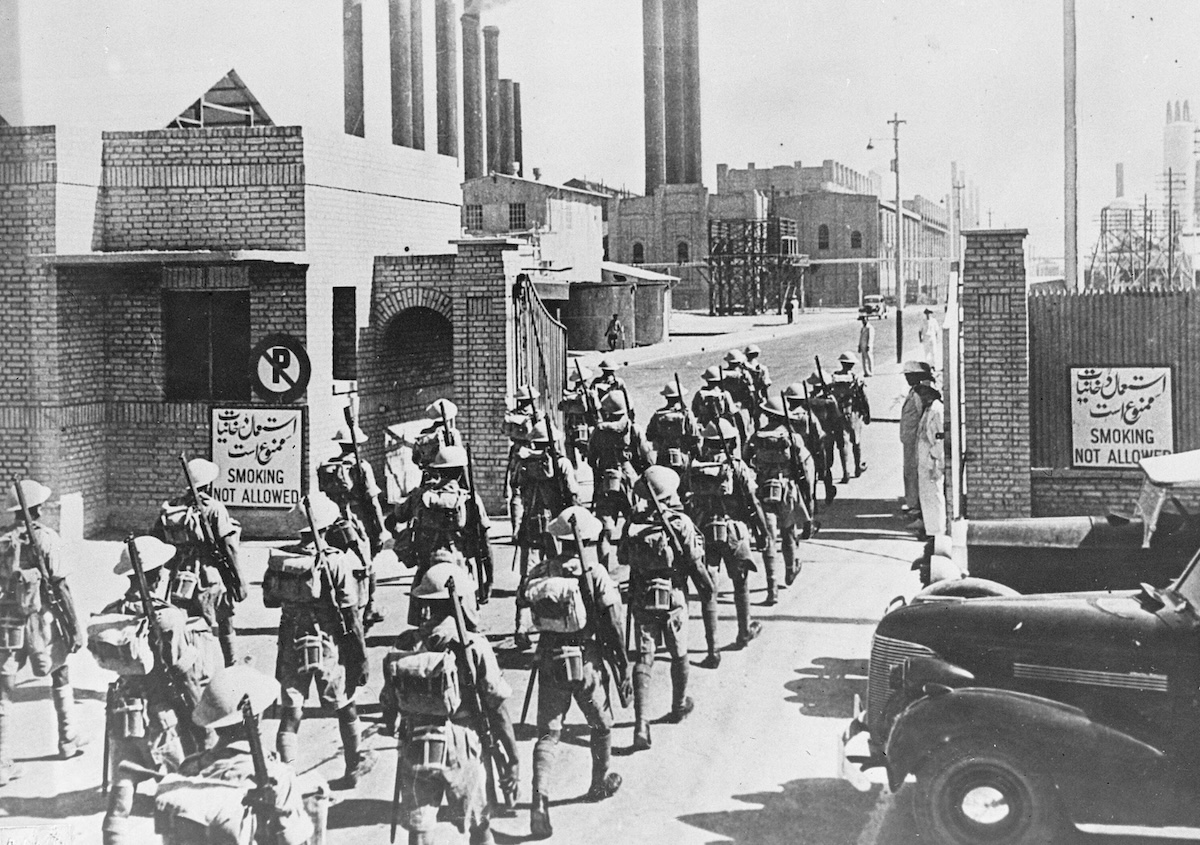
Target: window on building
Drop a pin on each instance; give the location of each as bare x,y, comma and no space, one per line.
822,237
516,216
639,254
345,334
206,344
352,66
681,252
856,239
473,217
604,242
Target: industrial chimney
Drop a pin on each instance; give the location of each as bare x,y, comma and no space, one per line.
473,120
416,31
491,76
446,39
652,74
1120,180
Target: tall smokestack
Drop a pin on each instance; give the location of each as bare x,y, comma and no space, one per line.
508,133
400,24
652,75
693,168
673,91
446,38
518,139
473,148
491,87
1120,180
417,36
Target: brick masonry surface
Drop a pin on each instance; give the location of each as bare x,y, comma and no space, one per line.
996,375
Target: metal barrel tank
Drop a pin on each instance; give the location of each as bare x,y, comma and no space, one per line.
590,309
650,304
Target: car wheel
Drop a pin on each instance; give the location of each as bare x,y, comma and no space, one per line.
967,588
977,792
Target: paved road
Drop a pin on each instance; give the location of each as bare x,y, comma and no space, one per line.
756,763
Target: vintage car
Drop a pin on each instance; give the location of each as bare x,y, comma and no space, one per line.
1018,716
1114,552
873,306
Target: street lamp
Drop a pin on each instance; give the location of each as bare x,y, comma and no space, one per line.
900,297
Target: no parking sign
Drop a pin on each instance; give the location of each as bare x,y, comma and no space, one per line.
279,368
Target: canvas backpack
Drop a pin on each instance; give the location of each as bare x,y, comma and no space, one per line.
291,578
443,510
557,605
181,524
650,550
426,683
772,455
711,479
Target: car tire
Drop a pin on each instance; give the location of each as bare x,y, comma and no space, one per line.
967,588
974,791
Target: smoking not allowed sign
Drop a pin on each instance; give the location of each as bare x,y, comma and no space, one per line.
279,368
1120,415
257,451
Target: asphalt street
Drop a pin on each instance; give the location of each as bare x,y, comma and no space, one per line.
758,760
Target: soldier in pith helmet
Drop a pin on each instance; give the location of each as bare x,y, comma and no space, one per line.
851,395
618,452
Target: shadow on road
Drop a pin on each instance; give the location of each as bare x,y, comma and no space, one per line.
81,802
823,811
827,688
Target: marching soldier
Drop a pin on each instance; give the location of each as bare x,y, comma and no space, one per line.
759,374
547,484
30,631
442,516
661,557
320,638
829,414
517,424
781,461
813,433
607,381
740,385
713,402
578,405
150,724
205,577
618,453
443,432
216,797
443,750
723,505
672,431
851,396
578,609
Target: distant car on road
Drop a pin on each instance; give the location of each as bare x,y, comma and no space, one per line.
874,307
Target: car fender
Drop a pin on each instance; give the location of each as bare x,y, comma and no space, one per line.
1063,738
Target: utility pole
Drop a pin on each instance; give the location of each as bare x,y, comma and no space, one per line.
1070,150
900,295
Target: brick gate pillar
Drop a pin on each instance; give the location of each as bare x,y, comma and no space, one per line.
995,339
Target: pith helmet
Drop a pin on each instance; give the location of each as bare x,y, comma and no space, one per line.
343,435
613,404
752,351
662,481
712,374
774,408
324,511
589,525
434,587
607,367
671,390
202,472
436,409
525,393
221,703
735,356
917,368
721,429
815,379
152,552
795,391
35,494
582,374
449,457
848,356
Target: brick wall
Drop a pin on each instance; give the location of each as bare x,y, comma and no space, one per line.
995,342
220,188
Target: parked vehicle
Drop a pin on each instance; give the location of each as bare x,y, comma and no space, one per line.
873,306
1021,716
1114,552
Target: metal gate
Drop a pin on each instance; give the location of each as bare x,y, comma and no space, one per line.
540,350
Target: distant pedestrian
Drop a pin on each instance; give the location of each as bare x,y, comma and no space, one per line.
866,345
793,305
931,340
615,333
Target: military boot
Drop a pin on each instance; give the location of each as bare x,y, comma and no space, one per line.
859,466
604,783
713,660
286,740
641,694
681,702
539,817
747,628
358,763
70,740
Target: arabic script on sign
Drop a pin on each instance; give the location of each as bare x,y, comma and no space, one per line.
1120,415
258,451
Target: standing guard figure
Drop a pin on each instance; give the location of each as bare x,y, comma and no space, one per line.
781,461
663,550
724,507
851,395
455,731
38,624
618,454
320,636
205,577
577,608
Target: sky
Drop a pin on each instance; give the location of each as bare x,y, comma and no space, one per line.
979,82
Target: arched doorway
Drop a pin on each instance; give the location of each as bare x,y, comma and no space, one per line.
415,362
